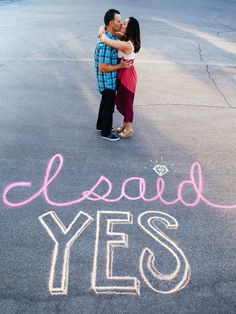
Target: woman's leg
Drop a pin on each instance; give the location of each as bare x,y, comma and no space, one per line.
128,126
129,112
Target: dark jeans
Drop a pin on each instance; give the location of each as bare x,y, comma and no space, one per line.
106,110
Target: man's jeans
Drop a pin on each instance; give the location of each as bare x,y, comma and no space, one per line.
106,110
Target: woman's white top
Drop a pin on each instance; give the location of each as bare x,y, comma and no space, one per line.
122,54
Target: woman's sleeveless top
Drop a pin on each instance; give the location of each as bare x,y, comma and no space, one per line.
131,56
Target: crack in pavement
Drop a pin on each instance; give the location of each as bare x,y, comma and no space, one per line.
3,64
47,50
226,26
50,49
200,52
14,60
210,76
63,54
217,87
63,44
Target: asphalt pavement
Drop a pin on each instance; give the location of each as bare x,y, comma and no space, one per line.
87,225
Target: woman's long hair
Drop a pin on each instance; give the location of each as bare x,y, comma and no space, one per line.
133,33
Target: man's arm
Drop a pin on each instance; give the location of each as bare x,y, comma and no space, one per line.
105,67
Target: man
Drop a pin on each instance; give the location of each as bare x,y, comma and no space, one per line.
106,63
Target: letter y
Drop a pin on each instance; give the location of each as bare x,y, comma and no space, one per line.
63,238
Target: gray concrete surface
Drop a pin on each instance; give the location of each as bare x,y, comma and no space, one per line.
184,113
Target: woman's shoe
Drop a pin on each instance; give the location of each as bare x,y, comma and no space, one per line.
126,134
120,129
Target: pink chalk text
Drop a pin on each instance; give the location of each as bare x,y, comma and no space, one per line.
195,181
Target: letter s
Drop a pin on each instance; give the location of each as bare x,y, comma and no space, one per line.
179,278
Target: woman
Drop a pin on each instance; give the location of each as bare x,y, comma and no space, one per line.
127,47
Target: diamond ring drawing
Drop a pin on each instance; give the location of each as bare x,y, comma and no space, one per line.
160,170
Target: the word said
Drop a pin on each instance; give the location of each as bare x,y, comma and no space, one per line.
195,181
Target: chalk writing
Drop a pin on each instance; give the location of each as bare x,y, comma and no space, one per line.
110,283
160,170
178,279
103,279
58,280
195,181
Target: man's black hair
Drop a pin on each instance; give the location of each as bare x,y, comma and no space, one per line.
110,15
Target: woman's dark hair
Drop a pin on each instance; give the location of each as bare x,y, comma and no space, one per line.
133,33
110,15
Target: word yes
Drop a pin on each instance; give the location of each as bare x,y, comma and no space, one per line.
107,282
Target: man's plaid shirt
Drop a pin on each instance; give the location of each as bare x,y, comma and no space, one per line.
109,55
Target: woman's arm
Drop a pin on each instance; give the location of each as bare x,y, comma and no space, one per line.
101,30
118,44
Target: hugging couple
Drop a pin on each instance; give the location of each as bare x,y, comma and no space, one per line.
116,76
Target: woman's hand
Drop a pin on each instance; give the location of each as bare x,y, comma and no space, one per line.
119,35
125,64
101,30
103,38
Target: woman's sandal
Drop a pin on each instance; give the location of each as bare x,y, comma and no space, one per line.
120,129
126,134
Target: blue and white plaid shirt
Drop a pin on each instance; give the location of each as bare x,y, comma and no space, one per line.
109,55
